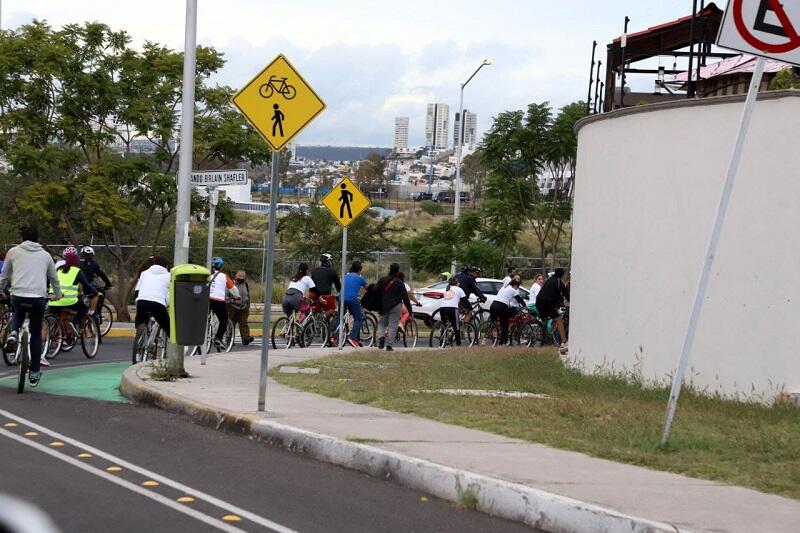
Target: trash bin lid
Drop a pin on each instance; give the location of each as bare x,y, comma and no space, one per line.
190,272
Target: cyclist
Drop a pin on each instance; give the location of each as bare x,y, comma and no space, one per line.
91,269
466,280
239,310
152,298
72,280
549,302
301,284
147,263
449,308
69,250
221,287
325,279
354,283
501,309
27,270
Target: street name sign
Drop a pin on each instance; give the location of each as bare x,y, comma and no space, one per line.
215,178
766,28
346,202
278,103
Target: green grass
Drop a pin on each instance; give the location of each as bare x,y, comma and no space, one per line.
740,443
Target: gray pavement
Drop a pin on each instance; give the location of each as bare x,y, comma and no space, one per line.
229,383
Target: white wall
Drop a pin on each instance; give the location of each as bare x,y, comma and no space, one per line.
647,188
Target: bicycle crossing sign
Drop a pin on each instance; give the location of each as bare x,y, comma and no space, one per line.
767,28
278,102
346,202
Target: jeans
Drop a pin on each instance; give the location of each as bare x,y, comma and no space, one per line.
34,308
355,310
388,324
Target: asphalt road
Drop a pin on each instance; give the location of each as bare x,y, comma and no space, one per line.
258,488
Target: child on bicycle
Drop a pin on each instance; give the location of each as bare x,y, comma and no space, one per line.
153,296
449,308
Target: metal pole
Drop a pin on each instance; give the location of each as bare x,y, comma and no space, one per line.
591,81
624,43
265,321
597,85
457,210
689,86
430,176
719,220
341,293
213,197
264,263
174,352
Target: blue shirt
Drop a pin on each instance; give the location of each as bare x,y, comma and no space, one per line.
352,285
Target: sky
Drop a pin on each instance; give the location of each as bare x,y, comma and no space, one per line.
373,60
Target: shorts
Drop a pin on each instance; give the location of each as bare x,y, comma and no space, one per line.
330,302
547,312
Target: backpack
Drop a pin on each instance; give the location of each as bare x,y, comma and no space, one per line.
371,301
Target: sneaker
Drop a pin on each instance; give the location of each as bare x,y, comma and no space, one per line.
563,349
33,378
44,362
353,343
11,342
247,341
389,349
381,343
333,341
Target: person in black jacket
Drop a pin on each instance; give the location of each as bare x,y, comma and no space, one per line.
466,280
551,298
393,296
326,278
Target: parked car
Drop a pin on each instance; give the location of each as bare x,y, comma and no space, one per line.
423,196
431,297
443,197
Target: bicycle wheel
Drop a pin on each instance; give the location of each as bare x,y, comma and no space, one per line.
23,356
69,336
490,333
369,330
439,335
469,334
400,337
281,337
266,90
45,333
90,337
140,345
228,338
316,333
160,345
411,334
534,333
106,317
54,347
289,92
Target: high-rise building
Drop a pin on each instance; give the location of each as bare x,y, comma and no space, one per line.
401,134
469,129
437,126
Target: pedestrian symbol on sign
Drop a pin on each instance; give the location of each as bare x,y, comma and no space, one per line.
277,120
345,200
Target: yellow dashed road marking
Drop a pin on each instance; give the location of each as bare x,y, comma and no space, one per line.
56,444
231,518
84,456
10,425
185,499
31,434
113,469
150,483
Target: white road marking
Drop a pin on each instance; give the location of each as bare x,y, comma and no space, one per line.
252,517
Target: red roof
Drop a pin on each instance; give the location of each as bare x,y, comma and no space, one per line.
732,65
710,9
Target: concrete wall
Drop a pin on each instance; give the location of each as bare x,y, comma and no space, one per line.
647,188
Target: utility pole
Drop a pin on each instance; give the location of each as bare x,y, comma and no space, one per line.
591,81
624,44
213,198
174,352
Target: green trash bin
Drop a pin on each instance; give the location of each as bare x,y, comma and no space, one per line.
188,308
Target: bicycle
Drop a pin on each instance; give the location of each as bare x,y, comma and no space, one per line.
443,334
287,332
64,335
368,332
409,333
212,326
150,343
475,311
22,354
104,315
277,85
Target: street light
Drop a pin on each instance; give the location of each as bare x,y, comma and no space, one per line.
459,147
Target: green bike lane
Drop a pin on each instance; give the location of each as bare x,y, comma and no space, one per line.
97,381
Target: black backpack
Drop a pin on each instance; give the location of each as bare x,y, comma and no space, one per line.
371,301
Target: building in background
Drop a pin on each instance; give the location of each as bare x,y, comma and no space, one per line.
401,135
469,129
437,126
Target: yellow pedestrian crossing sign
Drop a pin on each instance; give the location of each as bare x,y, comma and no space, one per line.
278,102
345,202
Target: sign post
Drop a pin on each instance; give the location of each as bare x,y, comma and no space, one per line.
278,103
213,198
346,203
745,29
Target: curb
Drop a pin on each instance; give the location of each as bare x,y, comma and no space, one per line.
503,499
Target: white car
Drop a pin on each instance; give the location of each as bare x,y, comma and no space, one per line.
431,297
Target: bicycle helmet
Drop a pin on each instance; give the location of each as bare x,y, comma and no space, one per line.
87,250
475,269
326,259
217,262
465,268
446,276
69,250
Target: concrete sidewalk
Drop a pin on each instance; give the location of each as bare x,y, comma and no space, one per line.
552,489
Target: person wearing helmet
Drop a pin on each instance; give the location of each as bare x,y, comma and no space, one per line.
69,250
222,287
466,280
91,269
325,279
445,276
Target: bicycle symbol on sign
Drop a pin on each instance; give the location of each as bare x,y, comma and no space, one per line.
277,85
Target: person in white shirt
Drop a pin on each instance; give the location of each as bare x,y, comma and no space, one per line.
538,281
511,273
300,285
221,288
449,307
153,296
501,310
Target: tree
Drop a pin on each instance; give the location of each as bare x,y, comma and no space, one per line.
370,173
474,173
90,126
788,78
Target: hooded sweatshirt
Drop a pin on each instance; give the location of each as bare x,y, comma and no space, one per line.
27,269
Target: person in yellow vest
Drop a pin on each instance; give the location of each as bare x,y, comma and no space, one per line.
72,281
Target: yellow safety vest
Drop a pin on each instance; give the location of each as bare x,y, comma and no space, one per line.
69,288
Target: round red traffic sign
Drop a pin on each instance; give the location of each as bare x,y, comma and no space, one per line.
747,34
